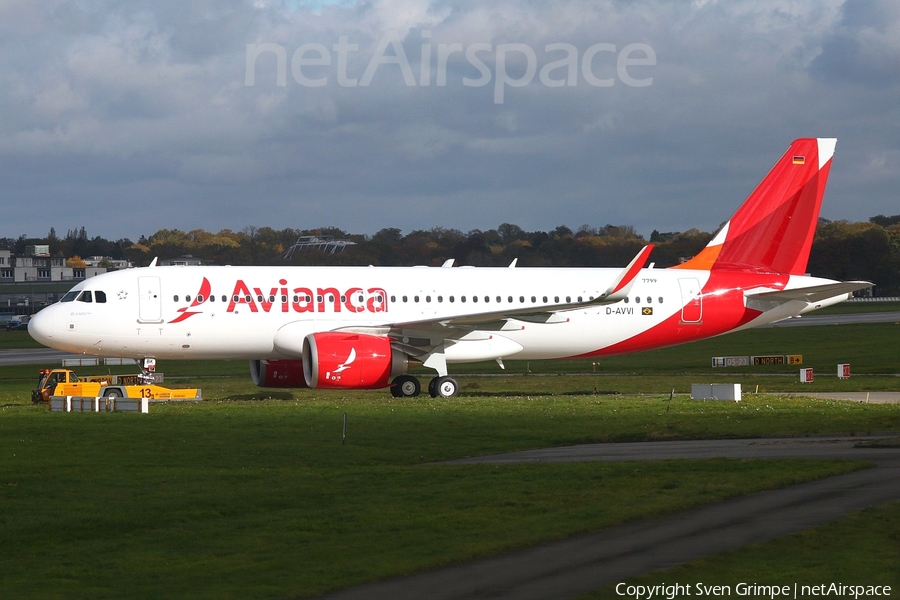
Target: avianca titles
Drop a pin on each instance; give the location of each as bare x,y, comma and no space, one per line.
362,327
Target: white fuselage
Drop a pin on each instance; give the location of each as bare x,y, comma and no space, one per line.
265,312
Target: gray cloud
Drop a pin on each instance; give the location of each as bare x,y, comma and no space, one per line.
130,118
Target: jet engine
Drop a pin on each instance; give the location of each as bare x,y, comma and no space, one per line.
277,373
350,360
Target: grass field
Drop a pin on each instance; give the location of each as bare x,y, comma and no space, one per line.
252,494
860,549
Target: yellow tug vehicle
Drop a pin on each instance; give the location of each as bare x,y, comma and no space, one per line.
64,382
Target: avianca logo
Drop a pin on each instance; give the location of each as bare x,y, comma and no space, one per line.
201,297
285,299
335,375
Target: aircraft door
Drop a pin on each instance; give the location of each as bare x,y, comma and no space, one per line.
691,301
149,300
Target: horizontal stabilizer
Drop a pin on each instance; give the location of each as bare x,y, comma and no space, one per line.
815,293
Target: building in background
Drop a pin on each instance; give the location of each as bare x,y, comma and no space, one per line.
30,282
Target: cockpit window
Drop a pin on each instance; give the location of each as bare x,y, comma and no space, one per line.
99,296
86,296
70,296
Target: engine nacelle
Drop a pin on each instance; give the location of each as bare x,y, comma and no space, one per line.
350,360
277,373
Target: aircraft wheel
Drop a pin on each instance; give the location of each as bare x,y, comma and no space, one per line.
443,387
405,386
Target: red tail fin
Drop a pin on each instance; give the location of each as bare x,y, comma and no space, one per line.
773,229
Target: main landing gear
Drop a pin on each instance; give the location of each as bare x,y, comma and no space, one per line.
407,386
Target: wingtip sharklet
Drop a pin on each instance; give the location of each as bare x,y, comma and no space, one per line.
622,285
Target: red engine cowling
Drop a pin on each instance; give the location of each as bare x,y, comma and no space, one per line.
277,373
350,360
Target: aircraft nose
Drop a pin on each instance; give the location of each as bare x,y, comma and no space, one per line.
40,327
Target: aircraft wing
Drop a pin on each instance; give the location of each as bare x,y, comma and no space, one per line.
812,294
427,339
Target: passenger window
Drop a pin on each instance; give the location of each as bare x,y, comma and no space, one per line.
200,298
649,300
660,300
175,298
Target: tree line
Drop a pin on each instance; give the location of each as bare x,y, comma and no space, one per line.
841,249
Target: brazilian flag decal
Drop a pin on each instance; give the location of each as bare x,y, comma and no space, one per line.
647,310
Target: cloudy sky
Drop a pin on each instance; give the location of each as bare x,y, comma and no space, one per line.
129,117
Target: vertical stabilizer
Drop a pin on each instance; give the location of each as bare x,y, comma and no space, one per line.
773,229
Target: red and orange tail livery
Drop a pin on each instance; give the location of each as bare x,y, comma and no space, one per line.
773,229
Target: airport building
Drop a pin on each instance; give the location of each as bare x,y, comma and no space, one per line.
30,282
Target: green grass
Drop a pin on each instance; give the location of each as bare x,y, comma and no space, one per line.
860,549
251,493
14,340
259,498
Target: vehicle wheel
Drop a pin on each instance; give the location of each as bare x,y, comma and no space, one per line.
112,394
405,386
443,387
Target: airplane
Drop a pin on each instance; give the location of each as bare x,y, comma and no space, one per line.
363,327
